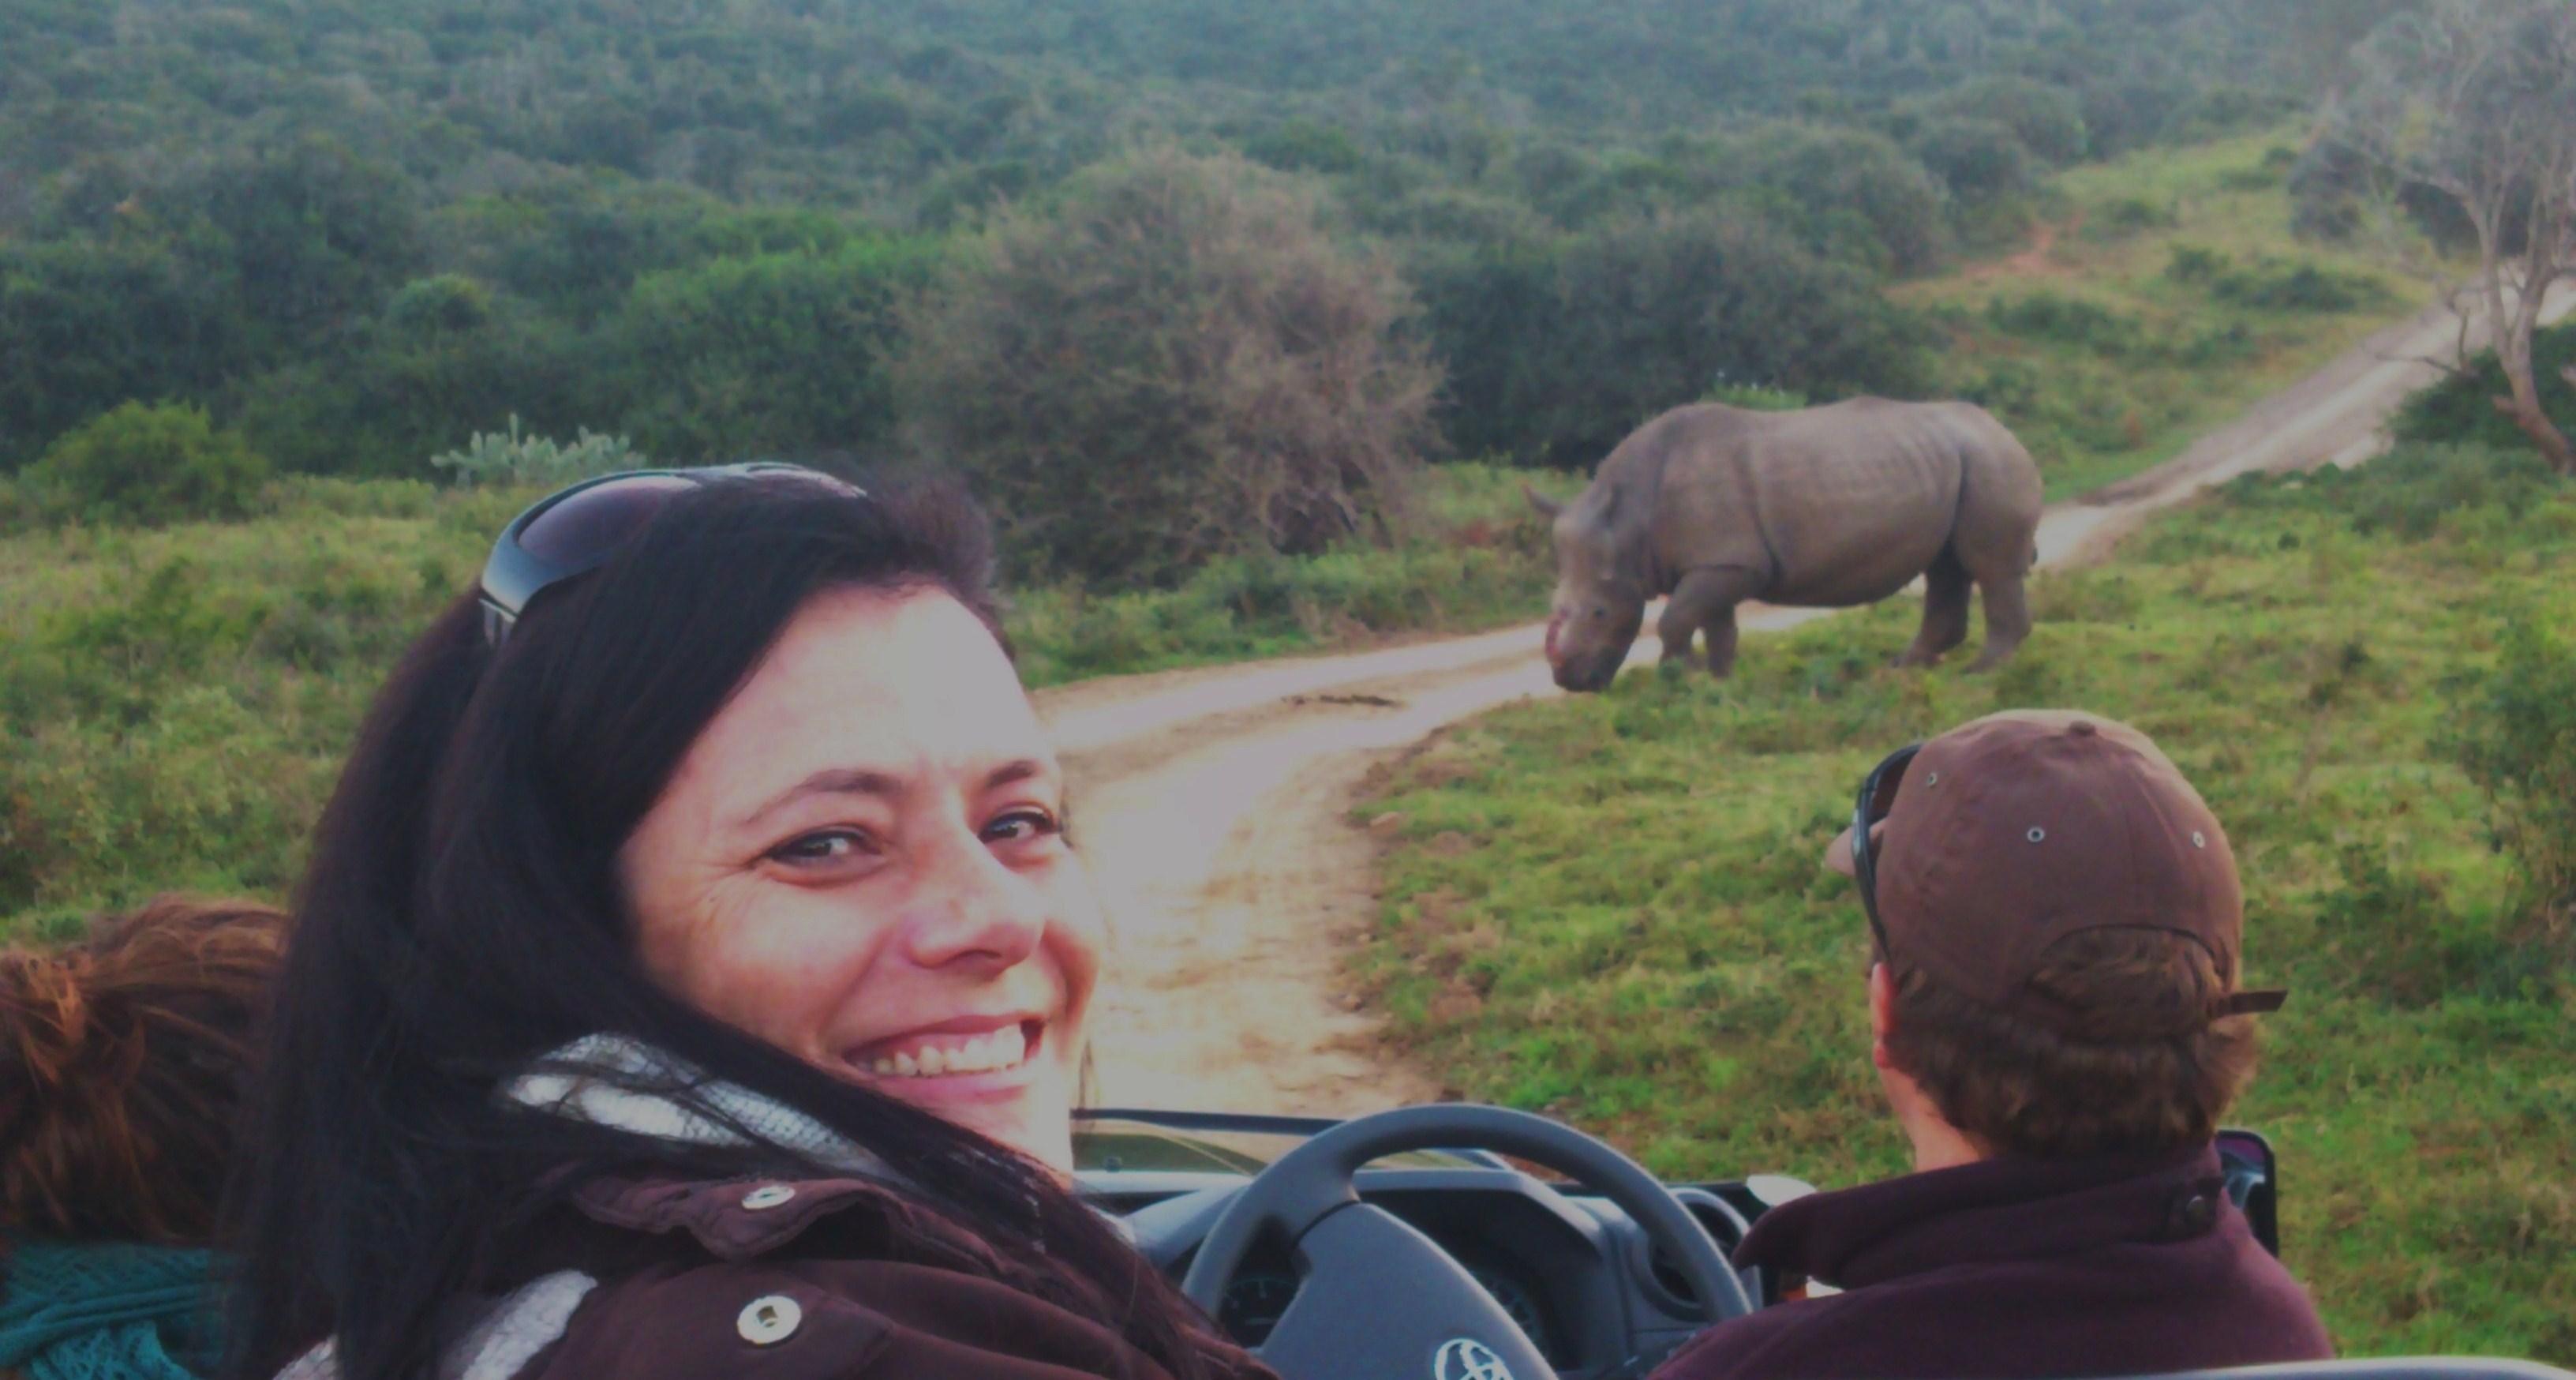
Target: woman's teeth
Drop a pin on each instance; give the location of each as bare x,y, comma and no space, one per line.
1006,1048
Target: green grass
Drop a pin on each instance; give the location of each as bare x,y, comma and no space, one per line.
2103,358
174,701
1613,907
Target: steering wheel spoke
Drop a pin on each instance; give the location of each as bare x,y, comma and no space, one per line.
1355,1260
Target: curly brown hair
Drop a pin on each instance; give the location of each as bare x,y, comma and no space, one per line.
2143,1061
121,1063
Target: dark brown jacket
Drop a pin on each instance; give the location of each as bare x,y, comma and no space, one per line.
787,1279
2126,1264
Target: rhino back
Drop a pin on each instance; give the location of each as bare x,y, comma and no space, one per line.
1843,504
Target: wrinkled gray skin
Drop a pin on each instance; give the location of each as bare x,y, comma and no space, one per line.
1823,508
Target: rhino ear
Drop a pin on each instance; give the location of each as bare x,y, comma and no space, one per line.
1547,507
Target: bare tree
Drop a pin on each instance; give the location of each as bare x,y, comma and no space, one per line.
2476,100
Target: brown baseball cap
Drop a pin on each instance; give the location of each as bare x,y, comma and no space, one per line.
2015,831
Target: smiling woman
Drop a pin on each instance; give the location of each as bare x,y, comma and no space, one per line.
909,916
693,975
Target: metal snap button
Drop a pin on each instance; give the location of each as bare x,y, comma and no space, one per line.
769,1320
2197,1214
767,1196
2037,834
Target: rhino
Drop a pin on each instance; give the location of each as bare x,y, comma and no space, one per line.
1825,507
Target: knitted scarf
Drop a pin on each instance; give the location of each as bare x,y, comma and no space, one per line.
106,1311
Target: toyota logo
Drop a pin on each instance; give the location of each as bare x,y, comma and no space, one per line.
1465,1358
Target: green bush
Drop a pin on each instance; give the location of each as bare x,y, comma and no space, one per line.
774,354
1557,351
1980,160
1173,364
495,457
145,464
2459,408
2517,740
445,302
2297,287
2046,120
2415,489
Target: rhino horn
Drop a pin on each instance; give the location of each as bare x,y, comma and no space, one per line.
1547,507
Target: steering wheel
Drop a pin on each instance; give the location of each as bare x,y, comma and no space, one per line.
1376,1296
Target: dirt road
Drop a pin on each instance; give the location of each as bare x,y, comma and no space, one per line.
1212,804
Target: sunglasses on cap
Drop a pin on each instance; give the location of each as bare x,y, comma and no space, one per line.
574,531
1877,797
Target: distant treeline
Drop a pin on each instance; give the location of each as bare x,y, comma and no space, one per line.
357,231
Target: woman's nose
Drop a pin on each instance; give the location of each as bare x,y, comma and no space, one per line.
971,909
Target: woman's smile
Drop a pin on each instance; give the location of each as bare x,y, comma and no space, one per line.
964,1056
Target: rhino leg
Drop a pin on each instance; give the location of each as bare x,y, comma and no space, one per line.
1946,587
2007,619
1705,600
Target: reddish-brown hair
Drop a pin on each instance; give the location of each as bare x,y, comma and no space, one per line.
121,1064
2146,1064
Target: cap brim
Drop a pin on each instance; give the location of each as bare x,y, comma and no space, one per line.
1838,854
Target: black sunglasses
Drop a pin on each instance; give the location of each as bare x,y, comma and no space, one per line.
574,530
1877,797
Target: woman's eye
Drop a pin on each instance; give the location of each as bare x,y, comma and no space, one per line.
818,849
1021,826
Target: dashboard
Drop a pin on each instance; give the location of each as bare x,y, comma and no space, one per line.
1570,1268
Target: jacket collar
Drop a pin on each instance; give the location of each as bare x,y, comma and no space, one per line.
1997,1210
624,1084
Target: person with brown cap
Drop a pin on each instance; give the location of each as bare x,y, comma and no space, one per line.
2059,1026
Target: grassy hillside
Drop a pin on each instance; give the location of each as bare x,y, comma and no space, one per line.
2164,294
174,702
1613,907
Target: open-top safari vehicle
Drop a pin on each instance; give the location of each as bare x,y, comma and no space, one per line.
1418,1244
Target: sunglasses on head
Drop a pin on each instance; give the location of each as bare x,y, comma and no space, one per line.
574,530
1877,797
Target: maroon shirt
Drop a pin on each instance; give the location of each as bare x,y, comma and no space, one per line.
2120,1264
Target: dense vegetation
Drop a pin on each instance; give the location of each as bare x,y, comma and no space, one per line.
357,233
1614,907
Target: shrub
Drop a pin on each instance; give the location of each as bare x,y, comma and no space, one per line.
495,457
2298,287
2459,407
2191,263
145,464
2517,740
1755,397
1980,160
2046,120
1557,352
1840,185
446,302
778,353
1172,364
2130,214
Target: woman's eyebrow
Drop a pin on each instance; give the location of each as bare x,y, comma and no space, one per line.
861,781
830,781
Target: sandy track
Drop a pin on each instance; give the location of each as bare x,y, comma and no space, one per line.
1213,804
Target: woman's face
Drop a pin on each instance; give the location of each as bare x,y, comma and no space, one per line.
863,861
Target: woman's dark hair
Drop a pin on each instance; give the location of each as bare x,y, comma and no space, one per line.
122,1060
461,919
